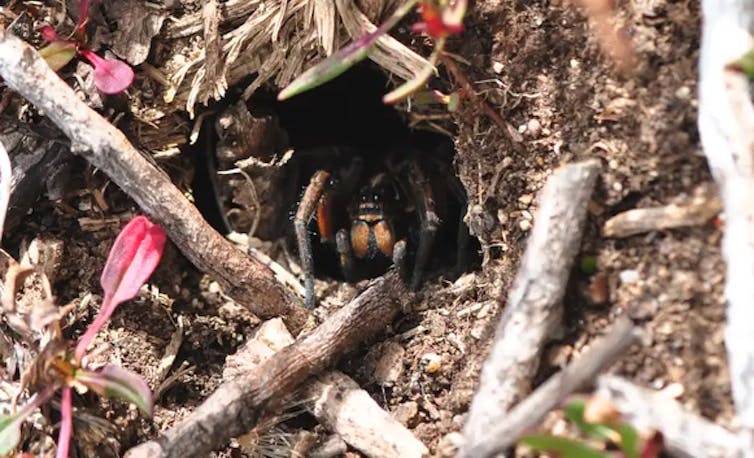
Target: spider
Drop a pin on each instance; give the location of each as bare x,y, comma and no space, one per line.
371,208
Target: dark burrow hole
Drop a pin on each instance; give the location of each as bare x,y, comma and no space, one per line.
374,159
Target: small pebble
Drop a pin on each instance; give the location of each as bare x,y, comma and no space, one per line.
628,276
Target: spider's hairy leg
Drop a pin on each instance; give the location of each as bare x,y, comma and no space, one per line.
304,213
399,257
345,255
428,220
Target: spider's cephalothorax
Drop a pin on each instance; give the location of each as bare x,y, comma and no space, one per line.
368,211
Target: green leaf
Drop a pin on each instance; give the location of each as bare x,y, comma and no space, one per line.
574,412
629,440
566,448
589,265
10,433
343,59
746,64
113,381
58,53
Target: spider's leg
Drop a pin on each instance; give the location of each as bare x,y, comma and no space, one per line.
306,208
399,257
345,255
428,220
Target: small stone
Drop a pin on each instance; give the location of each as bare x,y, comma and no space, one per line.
406,412
497,67
526,199
683,92
389,366
450,443
524,225
533,127
598,289
502,217
628,276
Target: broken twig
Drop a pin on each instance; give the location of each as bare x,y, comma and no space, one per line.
334,399
529,412
242,278
696,212
534,308
237,405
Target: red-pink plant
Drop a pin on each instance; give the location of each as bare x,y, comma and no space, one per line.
134,256
111,76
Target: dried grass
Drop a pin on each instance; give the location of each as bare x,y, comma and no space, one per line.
277,40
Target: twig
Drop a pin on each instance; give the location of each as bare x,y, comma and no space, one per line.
529,412
236,406
333,398
726,125
700,210
6,176
683,433
534,307
343,407
242,278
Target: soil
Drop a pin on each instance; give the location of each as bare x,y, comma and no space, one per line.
540,66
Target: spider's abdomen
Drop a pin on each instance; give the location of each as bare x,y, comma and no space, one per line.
368,238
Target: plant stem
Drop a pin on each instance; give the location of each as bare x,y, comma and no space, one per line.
99,322
66,423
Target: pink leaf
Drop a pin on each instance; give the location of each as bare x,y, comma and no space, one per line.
48,33
133,257
66,423
111,76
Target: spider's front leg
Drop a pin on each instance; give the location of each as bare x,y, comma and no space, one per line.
309,203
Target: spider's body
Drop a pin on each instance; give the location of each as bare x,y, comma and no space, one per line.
368,210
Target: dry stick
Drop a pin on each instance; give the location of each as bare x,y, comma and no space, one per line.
684,434
726,125
242,278
534,308
333,398
529,412
236,406
639,220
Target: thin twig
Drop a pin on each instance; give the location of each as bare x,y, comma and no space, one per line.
242,278
534,308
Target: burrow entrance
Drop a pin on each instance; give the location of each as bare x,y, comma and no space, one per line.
343,127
